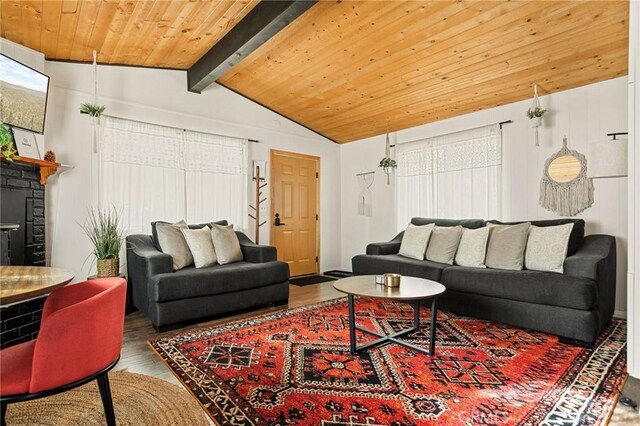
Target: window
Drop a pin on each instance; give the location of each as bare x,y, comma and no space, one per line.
151,172
453,176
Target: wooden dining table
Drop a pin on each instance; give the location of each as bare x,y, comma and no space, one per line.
19,283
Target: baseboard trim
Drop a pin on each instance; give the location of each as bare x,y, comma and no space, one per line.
620,314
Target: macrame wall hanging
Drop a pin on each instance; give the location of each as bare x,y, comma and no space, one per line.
565,188
365,180
535,113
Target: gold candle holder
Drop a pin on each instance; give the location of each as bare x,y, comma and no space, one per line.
392,280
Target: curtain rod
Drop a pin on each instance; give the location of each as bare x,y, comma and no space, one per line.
178,128
465,130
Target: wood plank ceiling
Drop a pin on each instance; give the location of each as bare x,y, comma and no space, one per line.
348,70
166,34
351,69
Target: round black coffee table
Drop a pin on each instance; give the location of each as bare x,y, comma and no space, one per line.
412,290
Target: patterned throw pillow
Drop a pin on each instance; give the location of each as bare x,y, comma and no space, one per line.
505,249
172,242
472,249
414,241
444,244
547,248
200,244
226,244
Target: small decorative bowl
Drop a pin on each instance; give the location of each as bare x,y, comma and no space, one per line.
392,280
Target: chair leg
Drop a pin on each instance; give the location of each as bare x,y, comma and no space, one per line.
3,410
107,402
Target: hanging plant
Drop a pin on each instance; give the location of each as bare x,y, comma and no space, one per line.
387,163
535,113
92,109
7,148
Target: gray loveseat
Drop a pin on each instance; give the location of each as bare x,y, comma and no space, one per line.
172,298
574,305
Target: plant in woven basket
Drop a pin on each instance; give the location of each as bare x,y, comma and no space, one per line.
7,148
103,229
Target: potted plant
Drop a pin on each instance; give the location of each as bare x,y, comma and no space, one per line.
94,110
7,148
535,115
388,164
104,231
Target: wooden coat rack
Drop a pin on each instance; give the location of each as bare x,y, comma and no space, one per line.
259,201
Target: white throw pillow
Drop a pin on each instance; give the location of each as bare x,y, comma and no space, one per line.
547,248
443,244
472,249
226,244
415,240
200,244
172,242
505,249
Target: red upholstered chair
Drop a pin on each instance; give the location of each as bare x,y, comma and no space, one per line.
79,340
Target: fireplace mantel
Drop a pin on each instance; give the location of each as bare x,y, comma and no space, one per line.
47,168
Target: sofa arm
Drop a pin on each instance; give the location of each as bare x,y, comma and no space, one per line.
143,262
596,259
390,247
255,253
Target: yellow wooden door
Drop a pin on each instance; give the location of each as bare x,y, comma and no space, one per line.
294,199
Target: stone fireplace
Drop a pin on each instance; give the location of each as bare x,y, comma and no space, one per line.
21,203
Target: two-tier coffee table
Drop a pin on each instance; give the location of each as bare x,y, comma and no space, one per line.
412,290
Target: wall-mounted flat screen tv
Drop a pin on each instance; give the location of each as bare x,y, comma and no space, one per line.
23,95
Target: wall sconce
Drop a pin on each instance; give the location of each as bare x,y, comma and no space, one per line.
609,158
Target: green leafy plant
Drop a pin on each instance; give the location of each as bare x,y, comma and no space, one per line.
387,162
535,112
92,109
104,231
7,147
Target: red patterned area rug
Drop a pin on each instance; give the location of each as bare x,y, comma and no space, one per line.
294,368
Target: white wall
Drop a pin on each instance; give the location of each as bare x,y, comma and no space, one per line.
161,97
584,114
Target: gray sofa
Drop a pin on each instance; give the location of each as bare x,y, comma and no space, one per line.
172,298
574,305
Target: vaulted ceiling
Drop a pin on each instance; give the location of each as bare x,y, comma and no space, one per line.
350,70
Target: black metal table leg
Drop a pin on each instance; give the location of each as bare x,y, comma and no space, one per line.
434,315
352,324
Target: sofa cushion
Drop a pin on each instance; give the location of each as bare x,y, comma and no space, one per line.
577,233
226,244
472,249
544,288
505,249
443,244
201,246
415,240
172,242
154,232
547,247
365,264
218,279
466,223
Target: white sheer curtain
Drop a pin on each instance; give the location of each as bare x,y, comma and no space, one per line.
453,176
150,172
216,173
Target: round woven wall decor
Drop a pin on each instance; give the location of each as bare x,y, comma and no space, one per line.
138,400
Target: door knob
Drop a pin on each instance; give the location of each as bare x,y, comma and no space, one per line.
277,220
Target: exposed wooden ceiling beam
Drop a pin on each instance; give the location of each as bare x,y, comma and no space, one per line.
264,21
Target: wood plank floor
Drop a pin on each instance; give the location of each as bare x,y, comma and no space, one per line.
138,357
